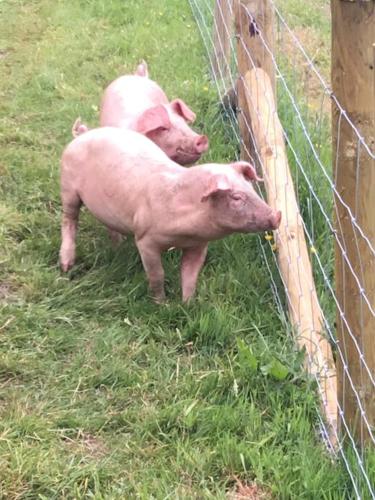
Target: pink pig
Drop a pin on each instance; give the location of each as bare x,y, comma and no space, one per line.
130,185
137,103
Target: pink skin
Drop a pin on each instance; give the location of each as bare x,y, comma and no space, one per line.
142,69
138,103
131,186
79,128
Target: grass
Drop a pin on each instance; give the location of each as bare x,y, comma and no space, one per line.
102,393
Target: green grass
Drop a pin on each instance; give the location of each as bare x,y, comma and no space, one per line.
102,393
302,14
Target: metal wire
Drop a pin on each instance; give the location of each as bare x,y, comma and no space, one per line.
203,12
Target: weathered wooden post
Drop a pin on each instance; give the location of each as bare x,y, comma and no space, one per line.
353,82
257,103
293,256
254,21
222,33
255,25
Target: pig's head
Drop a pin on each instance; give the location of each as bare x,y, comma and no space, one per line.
167,126
235,205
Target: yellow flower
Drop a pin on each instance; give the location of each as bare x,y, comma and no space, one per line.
268,236
274,247
312,249
205,88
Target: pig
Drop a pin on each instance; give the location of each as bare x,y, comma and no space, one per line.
129,184
138,103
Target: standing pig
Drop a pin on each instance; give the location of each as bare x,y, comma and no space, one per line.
137,103
131,186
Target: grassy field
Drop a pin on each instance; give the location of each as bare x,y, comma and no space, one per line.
102,393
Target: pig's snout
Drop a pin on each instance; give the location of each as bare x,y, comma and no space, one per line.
201,144
275,220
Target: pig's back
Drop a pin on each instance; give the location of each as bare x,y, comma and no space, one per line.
126,98
111,170
110,142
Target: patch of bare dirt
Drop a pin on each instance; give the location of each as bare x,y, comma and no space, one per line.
9,289
248,491
87,444
7,292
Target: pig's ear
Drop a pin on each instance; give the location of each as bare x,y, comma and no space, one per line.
79,128
152,119
142,69
179,107
247,170
215,185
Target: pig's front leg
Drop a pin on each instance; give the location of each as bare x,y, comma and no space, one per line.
191,264
151,260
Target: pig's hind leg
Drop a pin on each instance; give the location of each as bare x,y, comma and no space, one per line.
71,204
191,264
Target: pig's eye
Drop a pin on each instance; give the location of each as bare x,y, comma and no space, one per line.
236,197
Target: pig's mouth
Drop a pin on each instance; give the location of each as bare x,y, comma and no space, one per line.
189,155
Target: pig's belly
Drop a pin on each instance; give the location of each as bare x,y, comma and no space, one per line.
107,212
182,242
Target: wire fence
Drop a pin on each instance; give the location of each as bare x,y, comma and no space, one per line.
304,100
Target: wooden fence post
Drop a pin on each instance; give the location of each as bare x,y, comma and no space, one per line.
254,21
293,255
353,81
222,33
255,24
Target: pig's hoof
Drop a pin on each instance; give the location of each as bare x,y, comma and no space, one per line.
161,301
66,265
